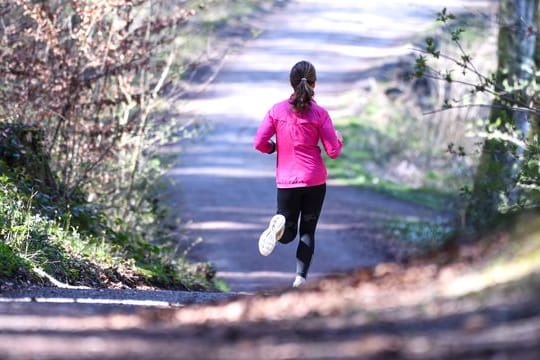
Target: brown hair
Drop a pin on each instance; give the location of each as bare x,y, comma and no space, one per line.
302,78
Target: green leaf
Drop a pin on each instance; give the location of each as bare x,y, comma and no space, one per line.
420,66
448,76
456,34
444,16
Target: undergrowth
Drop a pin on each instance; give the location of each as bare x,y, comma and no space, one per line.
365,148
72,242
424,235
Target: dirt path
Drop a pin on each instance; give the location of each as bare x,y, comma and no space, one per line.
227,190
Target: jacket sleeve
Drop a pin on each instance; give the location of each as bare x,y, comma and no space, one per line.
327,132
262,141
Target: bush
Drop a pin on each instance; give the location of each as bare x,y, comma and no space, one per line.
68,238
11,265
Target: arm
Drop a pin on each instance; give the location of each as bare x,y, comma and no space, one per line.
331,139
262,141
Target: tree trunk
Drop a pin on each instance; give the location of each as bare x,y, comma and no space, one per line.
495,181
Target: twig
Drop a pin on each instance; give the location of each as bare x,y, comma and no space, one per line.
94,164
457,62
201,88
501,107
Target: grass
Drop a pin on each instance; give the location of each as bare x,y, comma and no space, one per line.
373,141
73,244
10,263
422,234
366,144
221,285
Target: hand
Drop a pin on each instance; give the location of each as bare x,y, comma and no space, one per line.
339,136
271,142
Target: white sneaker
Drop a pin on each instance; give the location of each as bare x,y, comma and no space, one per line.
298,281
270,236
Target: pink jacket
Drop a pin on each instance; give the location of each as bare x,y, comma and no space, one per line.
299,160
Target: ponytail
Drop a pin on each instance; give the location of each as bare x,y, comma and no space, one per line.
302,78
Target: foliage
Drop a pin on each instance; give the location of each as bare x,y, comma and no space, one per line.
90,74
10,263
72,243
422,234
85,72
369,156
508,177
365,145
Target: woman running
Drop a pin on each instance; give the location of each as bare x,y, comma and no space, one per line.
298,124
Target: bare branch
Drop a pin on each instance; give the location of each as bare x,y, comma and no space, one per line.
494,106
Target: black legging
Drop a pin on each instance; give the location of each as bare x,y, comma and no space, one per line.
306,203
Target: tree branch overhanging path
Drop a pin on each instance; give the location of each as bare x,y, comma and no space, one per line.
226,191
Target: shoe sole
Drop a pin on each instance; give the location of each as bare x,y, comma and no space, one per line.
270,236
